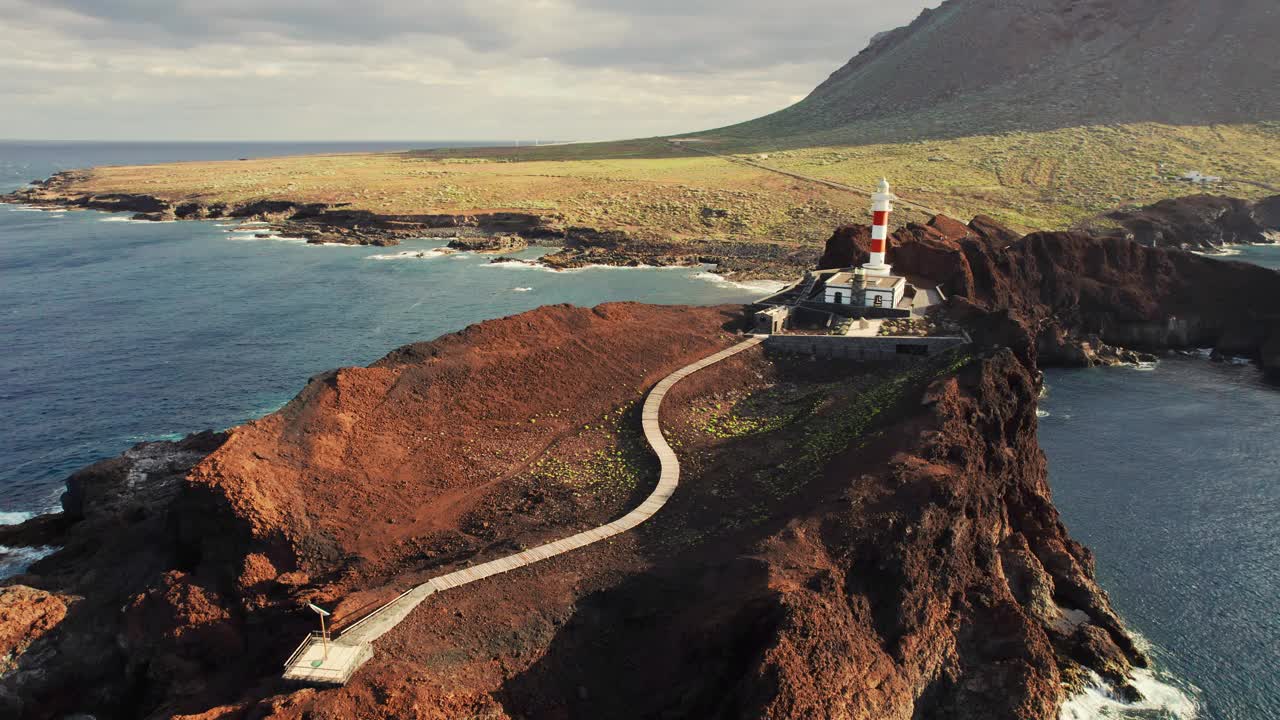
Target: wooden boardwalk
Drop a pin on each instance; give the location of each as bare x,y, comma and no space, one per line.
382,620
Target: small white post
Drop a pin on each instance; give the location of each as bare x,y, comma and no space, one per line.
324,635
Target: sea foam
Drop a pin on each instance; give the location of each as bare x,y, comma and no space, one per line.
1160,699
411,255
14,560
245,236
1221,252
767,287
15,517
17,560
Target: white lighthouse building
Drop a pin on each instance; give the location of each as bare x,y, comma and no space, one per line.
881,207
873,284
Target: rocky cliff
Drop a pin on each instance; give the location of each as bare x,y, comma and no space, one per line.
876,542
1196,222
1067,296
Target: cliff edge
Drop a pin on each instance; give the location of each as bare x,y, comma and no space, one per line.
875,538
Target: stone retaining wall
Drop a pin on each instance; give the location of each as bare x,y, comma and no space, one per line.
862,348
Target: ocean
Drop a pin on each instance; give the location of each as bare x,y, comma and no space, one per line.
116,332
1170,475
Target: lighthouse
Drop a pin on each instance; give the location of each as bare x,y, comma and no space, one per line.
881,206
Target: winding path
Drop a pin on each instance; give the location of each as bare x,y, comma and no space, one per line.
349,650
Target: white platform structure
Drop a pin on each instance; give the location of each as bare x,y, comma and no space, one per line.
353,647
319,661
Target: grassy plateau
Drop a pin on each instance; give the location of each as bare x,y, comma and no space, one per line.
654,189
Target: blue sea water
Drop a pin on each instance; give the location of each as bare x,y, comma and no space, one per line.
1267,256
1172,477
114,332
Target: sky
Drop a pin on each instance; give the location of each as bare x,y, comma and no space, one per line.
414,70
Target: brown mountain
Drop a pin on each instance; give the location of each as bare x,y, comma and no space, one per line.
982,65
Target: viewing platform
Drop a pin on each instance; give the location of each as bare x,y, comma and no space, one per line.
322,661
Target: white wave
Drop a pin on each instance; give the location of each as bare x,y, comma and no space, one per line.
266,236
15,517
767,287
412,255
521,289
532,265
1220,252
129,219
1146,366
1097,702
17,560
1042,413
34,208
522,265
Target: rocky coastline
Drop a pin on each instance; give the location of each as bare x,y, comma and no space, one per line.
928,572
1202,223
182,565
925,573
1077,300
493,232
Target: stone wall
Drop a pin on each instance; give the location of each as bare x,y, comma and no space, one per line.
861,348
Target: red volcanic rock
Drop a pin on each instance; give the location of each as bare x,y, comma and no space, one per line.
196,622
846,247
193,557
929,254
26,614
1128,294
315,484
946,562
1076,296
950,228
996,235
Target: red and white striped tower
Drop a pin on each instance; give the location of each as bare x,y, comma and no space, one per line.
881,206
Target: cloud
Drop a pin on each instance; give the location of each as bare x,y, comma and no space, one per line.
478,69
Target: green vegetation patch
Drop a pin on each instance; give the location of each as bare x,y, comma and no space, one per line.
765,411
613,470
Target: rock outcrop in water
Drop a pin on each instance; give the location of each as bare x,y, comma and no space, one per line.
1197,222
926,573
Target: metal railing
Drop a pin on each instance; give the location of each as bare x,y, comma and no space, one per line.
302,647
